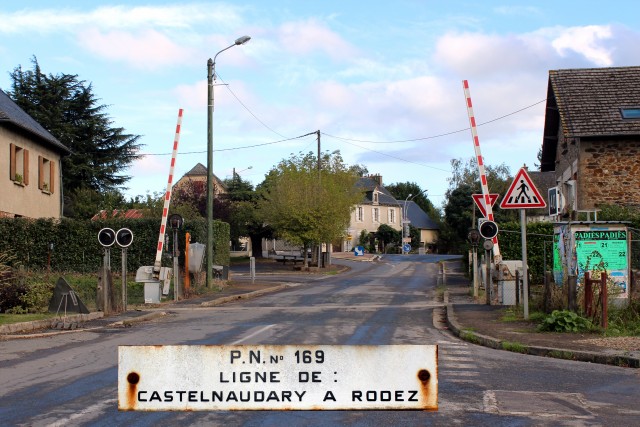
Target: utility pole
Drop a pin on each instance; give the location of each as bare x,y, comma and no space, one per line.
319,186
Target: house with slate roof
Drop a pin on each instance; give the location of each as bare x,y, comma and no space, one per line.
197,176
423,222
592,136
31,176
380,207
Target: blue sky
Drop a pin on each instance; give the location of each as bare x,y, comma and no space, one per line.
366,74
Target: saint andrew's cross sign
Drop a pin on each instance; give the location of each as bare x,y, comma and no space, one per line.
522,193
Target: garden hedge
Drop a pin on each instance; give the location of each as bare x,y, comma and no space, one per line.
76,247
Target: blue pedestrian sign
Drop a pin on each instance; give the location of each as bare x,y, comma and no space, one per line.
406,247
358,251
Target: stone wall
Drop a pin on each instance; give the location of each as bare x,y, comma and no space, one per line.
609,173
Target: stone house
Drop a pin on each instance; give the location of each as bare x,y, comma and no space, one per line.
592,137
30,159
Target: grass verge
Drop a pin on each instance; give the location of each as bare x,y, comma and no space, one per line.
6,319
515,347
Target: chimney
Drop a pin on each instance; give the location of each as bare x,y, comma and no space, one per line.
377,178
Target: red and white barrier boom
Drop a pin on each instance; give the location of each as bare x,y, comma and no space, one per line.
483,176
167,196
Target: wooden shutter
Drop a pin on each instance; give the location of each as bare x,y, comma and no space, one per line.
52,176
12,162
25,167
40,172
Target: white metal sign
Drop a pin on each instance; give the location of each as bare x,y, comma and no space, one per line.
277,377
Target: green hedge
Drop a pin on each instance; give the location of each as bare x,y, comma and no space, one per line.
539,244
76,247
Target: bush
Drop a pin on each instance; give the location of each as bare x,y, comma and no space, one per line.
624,320
11,291
37,296
11,295
565,321
76,247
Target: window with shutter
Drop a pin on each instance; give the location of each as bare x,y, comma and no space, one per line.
46,174
18,164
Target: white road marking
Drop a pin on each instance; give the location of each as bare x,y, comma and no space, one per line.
258,332
92,411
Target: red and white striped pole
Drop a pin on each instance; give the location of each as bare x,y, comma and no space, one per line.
481,170
167,197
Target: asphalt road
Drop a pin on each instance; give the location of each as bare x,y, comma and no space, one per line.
71,379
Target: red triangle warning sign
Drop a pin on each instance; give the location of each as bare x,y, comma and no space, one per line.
481,203
522,194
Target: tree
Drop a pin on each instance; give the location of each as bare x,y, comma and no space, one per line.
359,170
243,221
457,218
306,206
498,180
388,236
460,212
68,109
402,190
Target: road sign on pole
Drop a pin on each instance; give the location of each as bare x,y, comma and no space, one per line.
480,200
522,193
555,201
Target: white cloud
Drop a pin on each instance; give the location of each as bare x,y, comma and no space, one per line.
485,54
305,37
147,49
120,17
586,41
518,10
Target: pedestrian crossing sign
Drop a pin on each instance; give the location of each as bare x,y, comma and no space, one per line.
522,193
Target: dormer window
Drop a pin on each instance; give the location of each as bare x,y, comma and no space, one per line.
375,197
630,113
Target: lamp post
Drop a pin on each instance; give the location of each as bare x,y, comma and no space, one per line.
404,221
211,76
233,177
405,218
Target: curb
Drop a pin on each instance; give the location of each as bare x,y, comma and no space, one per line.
139,319
557,353
46,323
41,324
223,300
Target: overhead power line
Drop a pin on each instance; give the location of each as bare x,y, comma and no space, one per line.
285,139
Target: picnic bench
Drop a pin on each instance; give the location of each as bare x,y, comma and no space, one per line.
283,258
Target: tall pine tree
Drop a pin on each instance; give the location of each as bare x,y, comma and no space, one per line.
68,109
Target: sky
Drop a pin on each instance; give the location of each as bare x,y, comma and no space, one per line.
381,81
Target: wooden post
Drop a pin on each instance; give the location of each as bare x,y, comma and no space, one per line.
547,291
187,278
588,295
571,289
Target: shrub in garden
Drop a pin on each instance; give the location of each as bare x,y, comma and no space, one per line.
565,321
11,290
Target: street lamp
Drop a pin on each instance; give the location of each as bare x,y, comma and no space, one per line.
404,221
405,218
233,177
211,76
